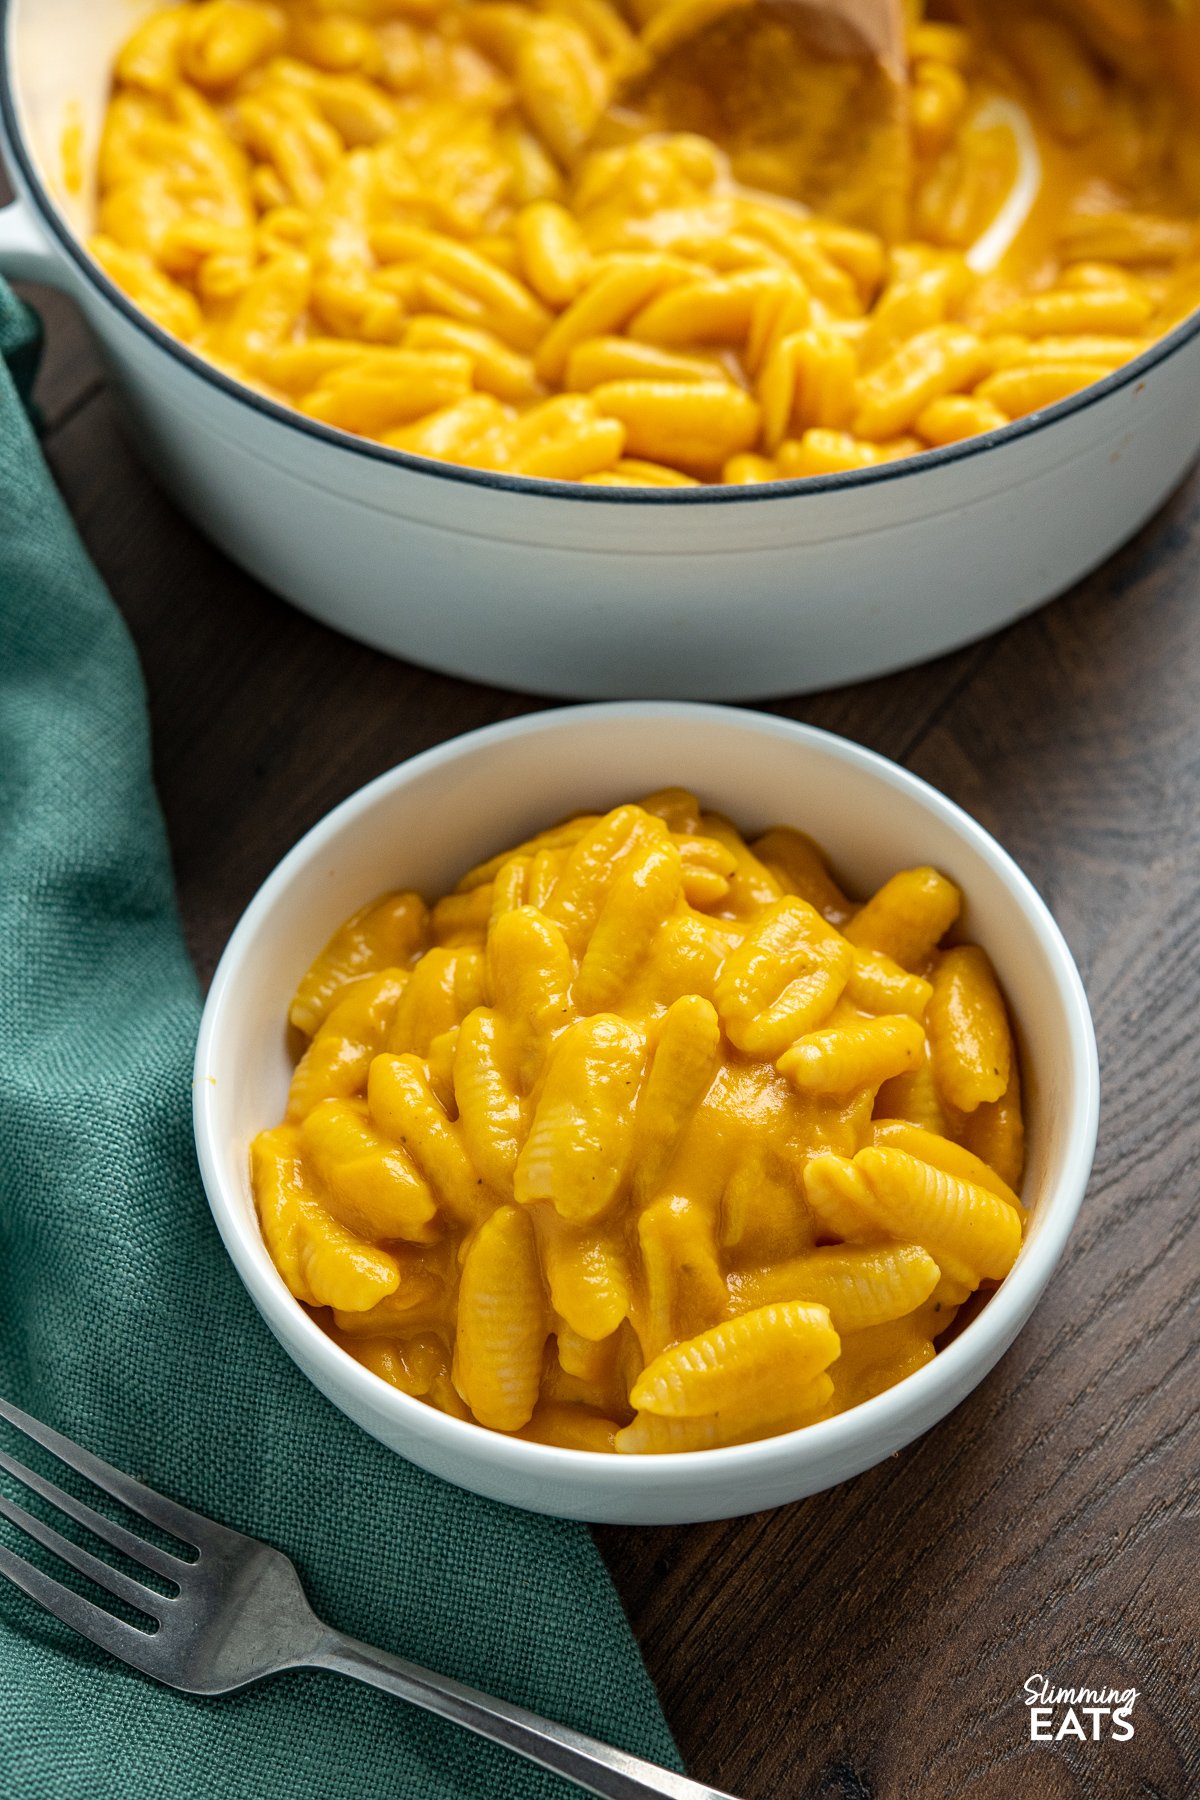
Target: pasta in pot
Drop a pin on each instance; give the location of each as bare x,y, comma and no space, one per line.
386,214
647,1139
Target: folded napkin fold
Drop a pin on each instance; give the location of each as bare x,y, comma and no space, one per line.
122,1321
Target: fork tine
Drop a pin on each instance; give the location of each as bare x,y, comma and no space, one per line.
140,1648
136,1548
189,1527
142,1599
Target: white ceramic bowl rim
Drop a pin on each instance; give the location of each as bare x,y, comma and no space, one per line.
980,1341
757,494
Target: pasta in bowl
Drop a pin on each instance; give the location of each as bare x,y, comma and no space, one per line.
392,218
710,1260
647,1139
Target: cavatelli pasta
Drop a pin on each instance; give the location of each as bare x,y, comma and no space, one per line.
783,979
321,1261
645,1139
969,1037
395,219
858,1287
389,933
502,1324
579,1148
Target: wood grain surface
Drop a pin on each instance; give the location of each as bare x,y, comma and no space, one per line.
871,1643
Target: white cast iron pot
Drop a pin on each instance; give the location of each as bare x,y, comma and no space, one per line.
571,590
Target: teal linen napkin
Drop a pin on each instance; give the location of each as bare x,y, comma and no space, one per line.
123,1323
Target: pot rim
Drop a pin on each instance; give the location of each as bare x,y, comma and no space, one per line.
799,488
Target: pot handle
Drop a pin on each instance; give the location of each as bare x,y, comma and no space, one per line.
26,253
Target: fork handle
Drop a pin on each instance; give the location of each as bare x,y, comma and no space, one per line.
598,1768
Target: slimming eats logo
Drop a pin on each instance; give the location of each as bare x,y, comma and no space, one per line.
1056,1713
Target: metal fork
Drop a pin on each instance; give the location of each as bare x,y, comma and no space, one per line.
240,1614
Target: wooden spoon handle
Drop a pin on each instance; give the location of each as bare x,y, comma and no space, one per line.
868,28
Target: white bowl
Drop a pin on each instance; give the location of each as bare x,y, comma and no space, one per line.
424,823
701,593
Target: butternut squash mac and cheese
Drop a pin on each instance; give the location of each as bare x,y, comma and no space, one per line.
646,1139
388,214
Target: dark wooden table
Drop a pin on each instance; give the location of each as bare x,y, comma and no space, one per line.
872,1642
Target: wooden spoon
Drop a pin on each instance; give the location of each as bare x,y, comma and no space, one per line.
808,98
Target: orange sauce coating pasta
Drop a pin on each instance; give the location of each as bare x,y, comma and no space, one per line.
386,214
647,1139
